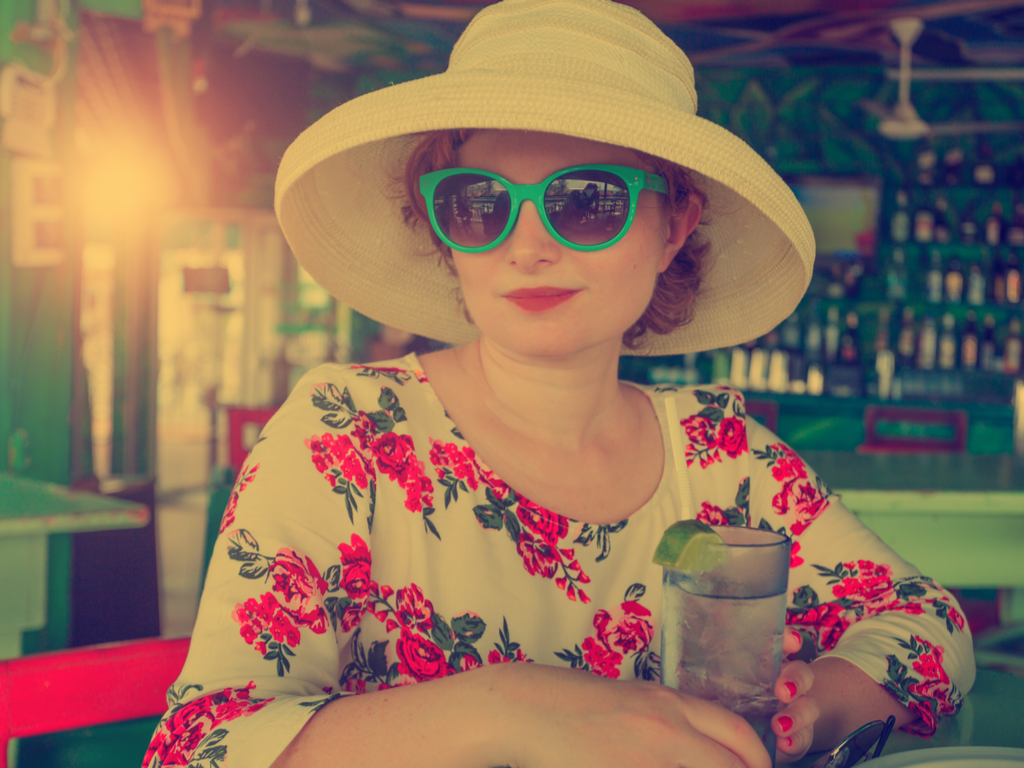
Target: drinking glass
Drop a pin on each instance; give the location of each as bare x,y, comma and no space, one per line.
721,635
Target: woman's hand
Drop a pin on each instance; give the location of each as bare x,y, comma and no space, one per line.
794,723
563,718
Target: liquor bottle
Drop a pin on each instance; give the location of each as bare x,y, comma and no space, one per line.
933,279
927,344
994,225
832,334
757,378
851,279
969,343
954,282
947,343
1013,286
987,349
849,343
941,231
975,285
927,162
953,166
813,337
1012,348
984,171
899,224
906,340
1014,235
924,225
968,230
836,288
882,330
998,279
1015,173
896,276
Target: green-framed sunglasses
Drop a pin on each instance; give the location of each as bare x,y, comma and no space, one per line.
585,207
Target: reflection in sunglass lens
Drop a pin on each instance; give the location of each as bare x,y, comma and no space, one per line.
587,207
471,209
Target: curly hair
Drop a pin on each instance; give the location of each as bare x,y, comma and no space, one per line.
675,292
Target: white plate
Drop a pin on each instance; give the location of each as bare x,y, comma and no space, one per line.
953,757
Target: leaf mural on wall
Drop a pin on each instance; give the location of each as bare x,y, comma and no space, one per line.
753,116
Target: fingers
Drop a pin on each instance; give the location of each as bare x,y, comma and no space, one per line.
725,728
794,726
792,641
795,679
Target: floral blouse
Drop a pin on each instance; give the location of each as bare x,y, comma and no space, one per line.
366,546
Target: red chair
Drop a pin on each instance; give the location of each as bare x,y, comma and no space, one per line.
947,428
244,426
765,411
83,687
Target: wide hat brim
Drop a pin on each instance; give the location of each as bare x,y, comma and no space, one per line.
340,193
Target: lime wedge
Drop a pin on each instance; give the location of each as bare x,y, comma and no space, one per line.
690,546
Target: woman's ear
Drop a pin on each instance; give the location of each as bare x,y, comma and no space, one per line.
680,227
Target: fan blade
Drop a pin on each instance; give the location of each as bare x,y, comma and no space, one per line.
960,129
906,30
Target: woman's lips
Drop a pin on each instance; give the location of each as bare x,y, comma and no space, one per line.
539,299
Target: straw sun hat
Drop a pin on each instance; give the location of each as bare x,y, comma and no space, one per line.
594,69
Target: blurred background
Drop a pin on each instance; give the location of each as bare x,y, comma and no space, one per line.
152,316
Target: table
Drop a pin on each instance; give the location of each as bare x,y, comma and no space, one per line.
30,512
959,518
992,716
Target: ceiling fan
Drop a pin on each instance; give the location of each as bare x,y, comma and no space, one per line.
901,122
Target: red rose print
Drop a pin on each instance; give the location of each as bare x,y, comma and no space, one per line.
549,526
186,726
628,629
732,436
461,461
701,430
789,465
336,452
397,459
246,476
602,661
301,588
711,514
356,562
467,662
823,621
794,555
540,558
809,504
496,657
420,658
255,617
871,582
929,665
414,610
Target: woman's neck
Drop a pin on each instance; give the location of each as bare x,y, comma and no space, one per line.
567,404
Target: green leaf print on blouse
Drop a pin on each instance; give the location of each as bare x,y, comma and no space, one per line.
738,514
930,695
352,462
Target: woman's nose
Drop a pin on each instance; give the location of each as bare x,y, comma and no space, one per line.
529,243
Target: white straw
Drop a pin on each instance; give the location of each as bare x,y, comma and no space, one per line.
679,457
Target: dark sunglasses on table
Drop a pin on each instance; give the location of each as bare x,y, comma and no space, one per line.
585,207
858,744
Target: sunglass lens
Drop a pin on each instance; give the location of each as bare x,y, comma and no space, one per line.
587,207
470,209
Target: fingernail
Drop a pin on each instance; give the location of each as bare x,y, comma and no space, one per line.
789,741
791,687
798,637
785,723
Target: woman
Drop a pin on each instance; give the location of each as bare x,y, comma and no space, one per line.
404,529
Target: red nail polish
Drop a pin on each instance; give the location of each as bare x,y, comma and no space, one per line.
785,723
791,687
789,741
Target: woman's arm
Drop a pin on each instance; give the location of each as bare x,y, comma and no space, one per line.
526,716
847,699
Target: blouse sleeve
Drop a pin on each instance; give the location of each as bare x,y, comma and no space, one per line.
287,586
853,596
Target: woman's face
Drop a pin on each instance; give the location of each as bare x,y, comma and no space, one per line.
534,297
